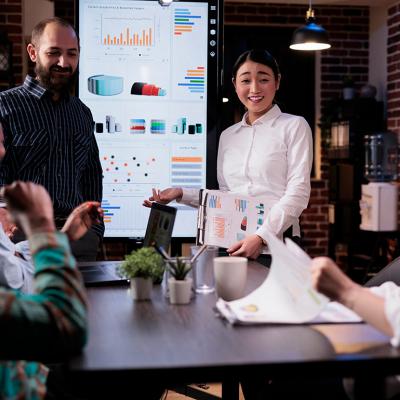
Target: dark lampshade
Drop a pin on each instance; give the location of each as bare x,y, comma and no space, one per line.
310,36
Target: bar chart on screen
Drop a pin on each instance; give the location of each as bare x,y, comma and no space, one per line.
185,20
121,31
124,215
129,30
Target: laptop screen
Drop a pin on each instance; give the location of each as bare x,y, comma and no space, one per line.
159,226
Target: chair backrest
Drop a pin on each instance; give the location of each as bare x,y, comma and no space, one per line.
390,273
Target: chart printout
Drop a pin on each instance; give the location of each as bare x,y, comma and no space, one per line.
143,74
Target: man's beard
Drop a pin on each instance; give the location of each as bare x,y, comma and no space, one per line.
59,84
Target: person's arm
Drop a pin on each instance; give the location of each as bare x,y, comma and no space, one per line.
82,218
187,196
54,318
298,188
332,282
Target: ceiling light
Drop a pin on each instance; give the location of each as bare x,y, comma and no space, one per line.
165,2
310,36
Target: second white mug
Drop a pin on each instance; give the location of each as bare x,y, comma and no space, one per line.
230,277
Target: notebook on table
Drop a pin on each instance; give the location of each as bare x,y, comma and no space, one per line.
158,232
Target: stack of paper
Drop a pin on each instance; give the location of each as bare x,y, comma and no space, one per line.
286,296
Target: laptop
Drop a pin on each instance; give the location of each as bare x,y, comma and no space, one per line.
158,232
159,226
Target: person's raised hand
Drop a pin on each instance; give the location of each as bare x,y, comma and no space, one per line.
163,196
249,247
31,206
82,218
329,280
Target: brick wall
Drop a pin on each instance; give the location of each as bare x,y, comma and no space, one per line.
393,68
65,9
11,22
393,74
348,28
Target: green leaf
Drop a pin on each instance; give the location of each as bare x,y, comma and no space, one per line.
179,268
142,263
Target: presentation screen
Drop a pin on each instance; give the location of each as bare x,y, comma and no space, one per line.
150,75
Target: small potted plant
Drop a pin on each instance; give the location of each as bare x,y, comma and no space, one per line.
143,267
179,284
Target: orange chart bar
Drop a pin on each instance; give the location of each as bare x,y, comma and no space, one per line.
127,38
187,159
179,29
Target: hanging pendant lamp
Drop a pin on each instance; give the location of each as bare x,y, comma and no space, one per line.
310,36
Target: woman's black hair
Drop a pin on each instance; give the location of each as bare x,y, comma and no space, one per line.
258,56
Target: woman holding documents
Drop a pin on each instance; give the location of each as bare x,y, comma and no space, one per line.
268,153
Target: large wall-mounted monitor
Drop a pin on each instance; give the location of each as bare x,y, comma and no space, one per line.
151,76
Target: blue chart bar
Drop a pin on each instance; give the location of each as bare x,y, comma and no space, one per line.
108,210
194,80
184,21
186,174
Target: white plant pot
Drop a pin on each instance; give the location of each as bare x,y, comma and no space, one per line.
180,291
141,288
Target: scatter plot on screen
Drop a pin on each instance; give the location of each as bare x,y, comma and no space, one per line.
136,165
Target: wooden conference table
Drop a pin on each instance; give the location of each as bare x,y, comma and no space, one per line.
154,341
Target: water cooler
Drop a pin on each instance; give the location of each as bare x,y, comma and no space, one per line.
379,198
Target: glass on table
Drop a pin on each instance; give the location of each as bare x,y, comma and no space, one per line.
203,269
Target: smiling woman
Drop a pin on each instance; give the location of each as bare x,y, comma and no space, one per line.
268,153
256,83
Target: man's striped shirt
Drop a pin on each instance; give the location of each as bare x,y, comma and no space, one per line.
51,143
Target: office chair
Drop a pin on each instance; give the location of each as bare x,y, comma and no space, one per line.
390,273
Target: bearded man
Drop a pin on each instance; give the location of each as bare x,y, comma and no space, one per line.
48,133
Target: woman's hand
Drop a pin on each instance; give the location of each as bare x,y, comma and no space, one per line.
164,196
331,281
249,247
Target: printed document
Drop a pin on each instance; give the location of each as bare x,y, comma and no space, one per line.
286,296
225,217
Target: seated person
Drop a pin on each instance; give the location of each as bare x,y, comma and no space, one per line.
54,318
379,306
16,266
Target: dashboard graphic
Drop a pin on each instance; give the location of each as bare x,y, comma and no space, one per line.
127,31
144,71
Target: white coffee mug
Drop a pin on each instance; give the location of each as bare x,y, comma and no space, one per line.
230,277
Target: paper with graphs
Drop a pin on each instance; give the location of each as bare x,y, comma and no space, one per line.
225,217
286,296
